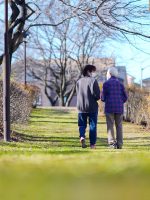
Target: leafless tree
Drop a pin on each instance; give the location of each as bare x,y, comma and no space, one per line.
21,12
125,17
64,51
16,25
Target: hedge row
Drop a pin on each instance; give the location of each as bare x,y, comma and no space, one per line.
137,108
21,101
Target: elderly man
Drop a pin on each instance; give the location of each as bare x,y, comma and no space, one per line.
114,96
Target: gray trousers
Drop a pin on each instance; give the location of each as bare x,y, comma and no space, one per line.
117,119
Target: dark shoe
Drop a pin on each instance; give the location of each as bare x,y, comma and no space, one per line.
82,140
119,147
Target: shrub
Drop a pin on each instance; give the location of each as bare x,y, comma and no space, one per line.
137,108
21,101
33,91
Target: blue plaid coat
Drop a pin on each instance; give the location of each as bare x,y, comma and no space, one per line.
114,96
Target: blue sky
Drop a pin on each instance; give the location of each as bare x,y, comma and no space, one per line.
134,59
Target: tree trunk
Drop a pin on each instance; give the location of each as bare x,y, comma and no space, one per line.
70,96
51,100
1,59
61,100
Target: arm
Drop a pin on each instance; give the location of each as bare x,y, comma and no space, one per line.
96,90
77,87
104,90
124,94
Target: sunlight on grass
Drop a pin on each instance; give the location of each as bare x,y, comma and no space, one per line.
47,162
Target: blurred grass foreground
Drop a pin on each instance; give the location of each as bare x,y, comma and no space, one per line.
45,161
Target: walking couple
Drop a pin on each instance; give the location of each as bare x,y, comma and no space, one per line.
114,96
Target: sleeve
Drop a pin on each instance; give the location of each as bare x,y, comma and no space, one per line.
124,94
96,90
77,87
104,93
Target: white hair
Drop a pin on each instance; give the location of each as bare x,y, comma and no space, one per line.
112,71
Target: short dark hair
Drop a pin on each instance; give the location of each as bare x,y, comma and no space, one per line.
88,68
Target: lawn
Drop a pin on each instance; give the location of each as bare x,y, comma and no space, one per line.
45,161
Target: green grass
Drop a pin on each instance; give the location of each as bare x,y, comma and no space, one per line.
47,161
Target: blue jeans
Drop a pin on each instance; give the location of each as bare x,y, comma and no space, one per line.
82,123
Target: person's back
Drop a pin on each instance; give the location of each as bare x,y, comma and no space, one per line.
87,94
114,96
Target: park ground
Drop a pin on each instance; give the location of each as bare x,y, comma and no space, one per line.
45,161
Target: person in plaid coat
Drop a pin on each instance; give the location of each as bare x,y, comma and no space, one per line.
114,96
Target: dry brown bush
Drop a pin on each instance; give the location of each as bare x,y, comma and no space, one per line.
137,108
21,101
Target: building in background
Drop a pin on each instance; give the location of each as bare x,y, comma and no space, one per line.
130,80
122,74
146,84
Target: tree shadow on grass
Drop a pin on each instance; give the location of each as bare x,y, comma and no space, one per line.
137,138
26,150
137,142
48,113
29,144
55,122
60,122
55,141
52,111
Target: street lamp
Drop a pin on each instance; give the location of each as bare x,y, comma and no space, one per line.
25,62
142,77
6,80
142,69
25,35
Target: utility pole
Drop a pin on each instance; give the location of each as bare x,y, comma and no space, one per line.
6,80
142,78
26,34
25,62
